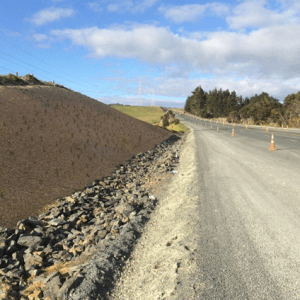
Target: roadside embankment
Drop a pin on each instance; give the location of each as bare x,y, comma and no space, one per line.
164,264
76,250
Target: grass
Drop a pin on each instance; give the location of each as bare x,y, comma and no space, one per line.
179,127
150,115
147,114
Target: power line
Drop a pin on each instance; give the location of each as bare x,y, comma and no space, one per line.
41,60
40,69
6,69
12,62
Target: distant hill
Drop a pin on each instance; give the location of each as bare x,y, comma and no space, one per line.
54,141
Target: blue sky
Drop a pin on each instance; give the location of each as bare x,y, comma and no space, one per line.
154,50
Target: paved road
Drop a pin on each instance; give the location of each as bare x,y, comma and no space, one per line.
250,212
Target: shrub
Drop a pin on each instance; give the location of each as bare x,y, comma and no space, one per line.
176,121
12,77
165,122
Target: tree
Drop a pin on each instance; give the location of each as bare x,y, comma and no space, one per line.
291,108
261,109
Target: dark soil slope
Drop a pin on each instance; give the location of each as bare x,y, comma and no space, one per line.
54,141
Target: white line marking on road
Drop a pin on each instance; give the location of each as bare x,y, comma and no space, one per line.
292,140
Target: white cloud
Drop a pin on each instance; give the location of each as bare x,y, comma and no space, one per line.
254,14
50,15
132,100
292,4
113,7
130,5
14,34
191,12
246,87
174,91
144,42
39,37
264,58
259,53
95,6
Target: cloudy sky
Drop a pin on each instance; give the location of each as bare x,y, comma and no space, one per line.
140,51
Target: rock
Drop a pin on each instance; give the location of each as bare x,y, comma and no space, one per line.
152,198
95,230
132,215
18,256
125,209
125,220
32,261
38,232
3,263
29,241
114,230
50,277
70,284
47,250
57,222
52,287
75,216
14,274
34,272
36,295
2,245
102,233
102,220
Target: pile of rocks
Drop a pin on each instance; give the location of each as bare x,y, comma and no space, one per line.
77,248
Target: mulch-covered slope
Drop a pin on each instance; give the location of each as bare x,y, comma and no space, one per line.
54,141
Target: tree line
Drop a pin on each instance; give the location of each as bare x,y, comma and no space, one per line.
259,109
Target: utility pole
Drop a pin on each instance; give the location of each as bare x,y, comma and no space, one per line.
152,102
140,93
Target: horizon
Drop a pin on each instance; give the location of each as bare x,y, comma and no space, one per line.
151,51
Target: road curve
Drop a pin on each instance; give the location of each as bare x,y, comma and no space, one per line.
250,213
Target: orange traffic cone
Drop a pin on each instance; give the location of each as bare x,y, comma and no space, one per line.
272,143
232,133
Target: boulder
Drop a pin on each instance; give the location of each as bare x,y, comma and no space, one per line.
2,245
125,209
52,287
32,261
29,240
56,222
70,284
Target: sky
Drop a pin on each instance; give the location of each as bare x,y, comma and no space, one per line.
154,52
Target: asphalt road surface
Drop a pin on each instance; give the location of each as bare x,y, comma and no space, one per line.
250,212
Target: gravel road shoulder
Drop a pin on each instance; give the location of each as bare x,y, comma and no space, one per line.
164,262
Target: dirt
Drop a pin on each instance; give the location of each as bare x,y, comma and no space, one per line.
55,141
165,261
